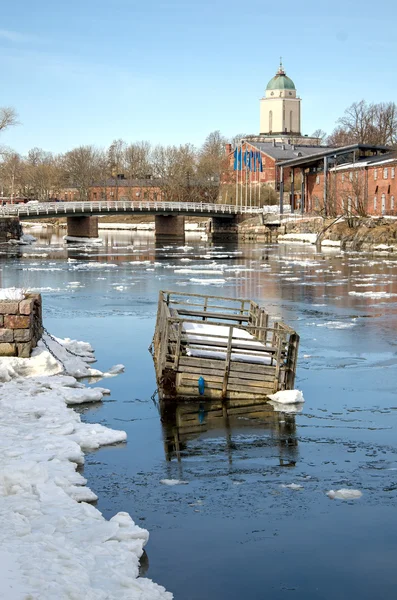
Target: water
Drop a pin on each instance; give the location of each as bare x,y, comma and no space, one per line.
233,531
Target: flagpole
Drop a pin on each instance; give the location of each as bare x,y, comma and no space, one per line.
250,181
236,165
241,179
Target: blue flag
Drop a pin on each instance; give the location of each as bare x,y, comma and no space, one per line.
235,159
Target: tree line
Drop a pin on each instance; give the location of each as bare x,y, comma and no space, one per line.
180,172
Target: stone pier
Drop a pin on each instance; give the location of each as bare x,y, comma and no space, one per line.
21,325
223,229
10,229
169,227
82,227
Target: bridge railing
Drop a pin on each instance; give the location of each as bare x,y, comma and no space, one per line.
43,209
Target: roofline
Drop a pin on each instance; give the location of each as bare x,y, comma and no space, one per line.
330,152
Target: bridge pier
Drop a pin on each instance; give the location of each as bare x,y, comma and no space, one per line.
169,227
222,229
82,227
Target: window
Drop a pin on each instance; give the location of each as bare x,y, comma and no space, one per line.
385,173
351,176
392,203
375,202
270,121
383,204
94,195
318,179
392,172
375,174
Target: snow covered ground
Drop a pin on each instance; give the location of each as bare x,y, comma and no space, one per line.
53,544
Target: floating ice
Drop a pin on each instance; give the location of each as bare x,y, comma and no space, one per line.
173,482
344,494
373,295
292,486
287,397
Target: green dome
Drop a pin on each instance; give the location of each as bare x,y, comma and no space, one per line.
280,81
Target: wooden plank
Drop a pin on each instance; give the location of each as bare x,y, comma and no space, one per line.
239,374
213,315
251,382
237,345
227,362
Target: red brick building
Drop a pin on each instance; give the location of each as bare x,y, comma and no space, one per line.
358,179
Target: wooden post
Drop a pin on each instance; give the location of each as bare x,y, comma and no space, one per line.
227,362
178,346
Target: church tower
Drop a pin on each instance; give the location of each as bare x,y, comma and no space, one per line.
280,108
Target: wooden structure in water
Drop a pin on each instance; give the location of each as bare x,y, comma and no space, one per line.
221,348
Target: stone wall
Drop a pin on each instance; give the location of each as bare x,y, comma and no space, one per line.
10,229
21,325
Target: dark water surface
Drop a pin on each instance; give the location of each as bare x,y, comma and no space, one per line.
233,531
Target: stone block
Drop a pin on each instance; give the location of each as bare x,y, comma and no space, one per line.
7,349
1,320
24,350
8,307
16,322
26,307
6,335
21,335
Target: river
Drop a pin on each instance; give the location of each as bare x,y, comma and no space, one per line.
232,530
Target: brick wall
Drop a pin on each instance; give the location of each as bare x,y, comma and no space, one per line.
373,188
21,325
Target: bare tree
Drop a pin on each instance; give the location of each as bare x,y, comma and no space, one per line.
11,170
138,160
81,168
320,134
175,169
367,124
8,117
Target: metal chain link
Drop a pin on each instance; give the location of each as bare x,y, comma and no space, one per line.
52,353
64,347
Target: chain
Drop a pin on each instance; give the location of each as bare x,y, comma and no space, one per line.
52,353
56,341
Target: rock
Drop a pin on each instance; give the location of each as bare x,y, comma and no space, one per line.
7,349
8,307
25,307
16,322
24,350
6,335
21,335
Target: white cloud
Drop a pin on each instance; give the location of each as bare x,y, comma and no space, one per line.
16,36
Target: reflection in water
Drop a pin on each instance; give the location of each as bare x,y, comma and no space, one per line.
243,423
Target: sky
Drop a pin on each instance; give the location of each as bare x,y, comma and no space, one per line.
88,72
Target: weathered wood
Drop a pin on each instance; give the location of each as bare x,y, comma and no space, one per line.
225,378
213,315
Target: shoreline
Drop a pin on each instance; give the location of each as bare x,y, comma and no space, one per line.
49,527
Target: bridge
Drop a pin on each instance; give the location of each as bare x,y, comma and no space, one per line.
82,217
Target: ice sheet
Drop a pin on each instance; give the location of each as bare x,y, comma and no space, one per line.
56,545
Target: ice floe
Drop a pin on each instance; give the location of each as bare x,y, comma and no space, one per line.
287,397
344,494
52,543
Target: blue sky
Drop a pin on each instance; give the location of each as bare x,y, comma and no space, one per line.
85,72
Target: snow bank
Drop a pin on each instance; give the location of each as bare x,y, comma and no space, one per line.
306,238
287,397
57,545
16,294
344,494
